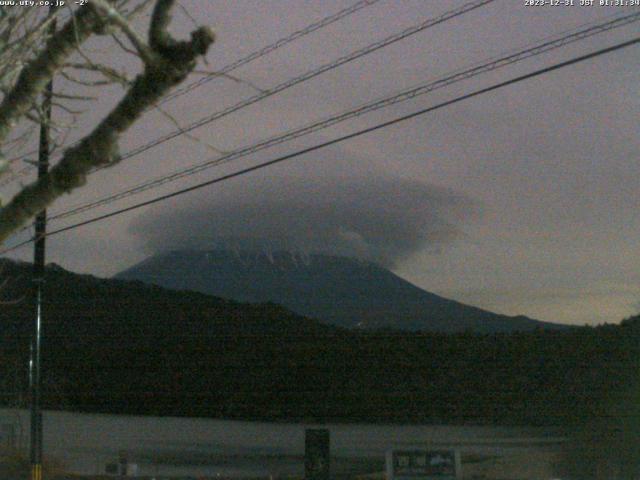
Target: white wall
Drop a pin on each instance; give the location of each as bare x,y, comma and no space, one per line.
197,446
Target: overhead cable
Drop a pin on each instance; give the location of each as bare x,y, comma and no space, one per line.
324,22
402,96
343,138
449,15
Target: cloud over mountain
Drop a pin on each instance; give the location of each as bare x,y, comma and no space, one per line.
381,219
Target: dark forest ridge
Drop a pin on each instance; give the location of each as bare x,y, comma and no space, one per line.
118,346
336,290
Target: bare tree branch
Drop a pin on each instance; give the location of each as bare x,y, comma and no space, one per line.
176,124
86,83
123,46
37,73
107,72
114,16
159,37
170,63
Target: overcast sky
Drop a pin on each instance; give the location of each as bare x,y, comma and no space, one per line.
520,201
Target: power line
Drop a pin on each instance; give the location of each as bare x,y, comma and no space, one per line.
270,48
324,22
361,110
304,151
449,15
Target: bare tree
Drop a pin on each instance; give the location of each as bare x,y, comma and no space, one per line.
30,55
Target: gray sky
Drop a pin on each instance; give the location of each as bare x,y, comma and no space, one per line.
521,201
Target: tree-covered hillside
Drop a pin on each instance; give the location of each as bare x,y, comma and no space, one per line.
124,347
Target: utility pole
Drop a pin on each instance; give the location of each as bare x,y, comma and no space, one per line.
38,280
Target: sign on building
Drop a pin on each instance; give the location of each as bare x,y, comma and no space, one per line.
422,464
